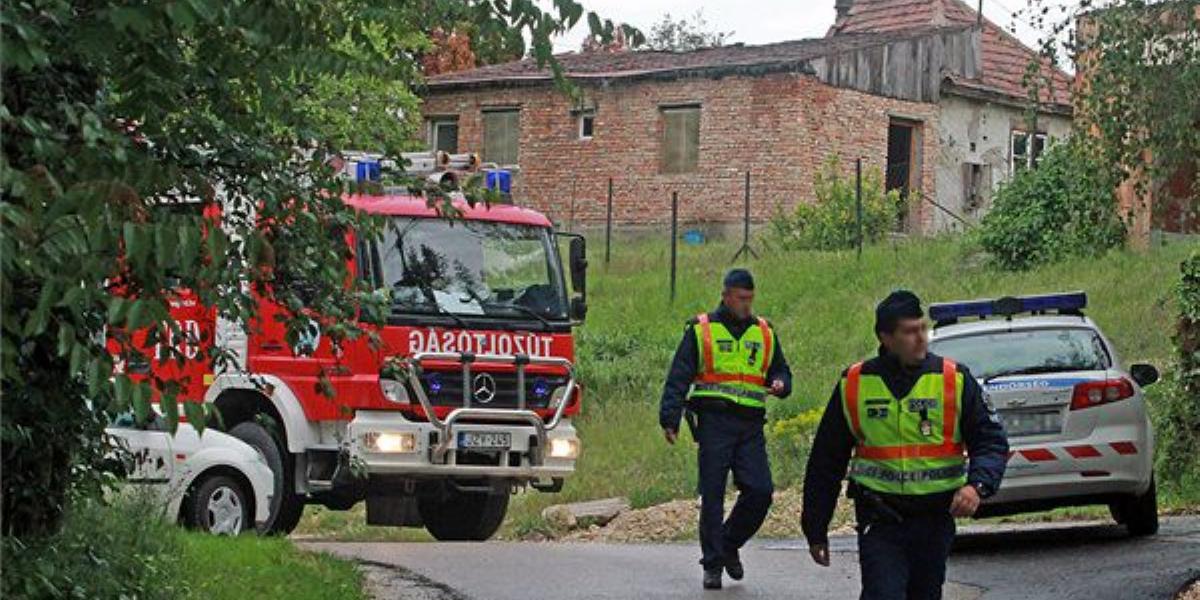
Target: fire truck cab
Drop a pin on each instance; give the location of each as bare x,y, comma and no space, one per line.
468,397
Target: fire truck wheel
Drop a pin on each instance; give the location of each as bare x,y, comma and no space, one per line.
463,517
286,505
219,505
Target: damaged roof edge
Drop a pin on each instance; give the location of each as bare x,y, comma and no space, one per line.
953,87
799,67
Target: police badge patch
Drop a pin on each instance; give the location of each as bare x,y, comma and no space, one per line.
921,404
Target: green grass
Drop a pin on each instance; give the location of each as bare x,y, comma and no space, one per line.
217,568
822,305
124,551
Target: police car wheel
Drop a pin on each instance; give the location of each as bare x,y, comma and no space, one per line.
286,506
1139,513
219,505
463,516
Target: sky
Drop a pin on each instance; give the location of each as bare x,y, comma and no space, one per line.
765,21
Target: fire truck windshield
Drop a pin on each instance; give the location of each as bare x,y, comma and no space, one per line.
470,268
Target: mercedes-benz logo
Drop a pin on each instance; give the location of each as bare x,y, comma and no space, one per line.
485,388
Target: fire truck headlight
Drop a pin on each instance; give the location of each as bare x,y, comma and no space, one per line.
389,442
564,448
394,391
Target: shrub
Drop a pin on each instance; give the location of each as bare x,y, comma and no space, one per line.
1177,412
1065,207
115,551
830,222
789,441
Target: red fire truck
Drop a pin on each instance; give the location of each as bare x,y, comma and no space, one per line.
469,398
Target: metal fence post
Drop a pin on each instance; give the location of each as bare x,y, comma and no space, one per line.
674,238
858,206
608,225
745,249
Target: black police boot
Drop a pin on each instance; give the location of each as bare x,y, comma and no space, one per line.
712,579
733,566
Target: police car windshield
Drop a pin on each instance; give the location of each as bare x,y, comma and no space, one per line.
1026,351
470,268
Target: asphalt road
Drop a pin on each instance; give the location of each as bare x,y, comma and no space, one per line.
1087,561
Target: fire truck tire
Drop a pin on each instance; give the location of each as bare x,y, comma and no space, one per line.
286,506
1138,513
462,516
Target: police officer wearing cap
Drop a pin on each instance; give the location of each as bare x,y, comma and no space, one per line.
923,447
727,364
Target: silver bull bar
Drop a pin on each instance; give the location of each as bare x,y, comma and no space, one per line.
520,414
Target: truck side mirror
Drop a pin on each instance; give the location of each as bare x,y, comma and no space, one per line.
578,308
1143,374
578,265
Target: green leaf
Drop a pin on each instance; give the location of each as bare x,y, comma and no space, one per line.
140,401
37,320
181,14
137,244
189,246
117,308
169,404
166,243
122,392
66,338
195,415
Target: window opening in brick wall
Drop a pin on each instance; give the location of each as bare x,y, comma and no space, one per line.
681,139
443,134
501,136
587,125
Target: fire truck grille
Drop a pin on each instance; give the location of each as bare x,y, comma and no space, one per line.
489,390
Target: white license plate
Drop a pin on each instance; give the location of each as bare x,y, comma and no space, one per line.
484,440
1022,423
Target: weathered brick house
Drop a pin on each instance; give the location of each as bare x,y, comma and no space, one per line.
918,88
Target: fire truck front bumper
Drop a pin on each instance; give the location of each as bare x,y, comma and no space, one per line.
386,443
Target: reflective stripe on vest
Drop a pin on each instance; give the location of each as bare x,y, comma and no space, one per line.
733,369
877,472
730,390
892,454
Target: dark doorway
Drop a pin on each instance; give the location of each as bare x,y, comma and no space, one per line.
902,161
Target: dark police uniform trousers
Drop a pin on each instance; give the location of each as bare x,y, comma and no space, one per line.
730,442
905,559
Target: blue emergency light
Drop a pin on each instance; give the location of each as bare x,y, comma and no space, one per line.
1064,303
367,170
498,180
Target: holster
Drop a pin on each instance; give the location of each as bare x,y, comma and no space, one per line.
693,423
872,508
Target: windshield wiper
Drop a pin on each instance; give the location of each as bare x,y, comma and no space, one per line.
438,309
546,325
1029,371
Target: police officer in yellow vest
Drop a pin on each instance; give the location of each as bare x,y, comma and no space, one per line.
726,366
923,447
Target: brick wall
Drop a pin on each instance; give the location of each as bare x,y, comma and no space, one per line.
782,127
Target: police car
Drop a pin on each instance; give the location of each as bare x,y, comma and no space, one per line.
1076,418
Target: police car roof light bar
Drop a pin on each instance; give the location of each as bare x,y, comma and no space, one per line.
1068,303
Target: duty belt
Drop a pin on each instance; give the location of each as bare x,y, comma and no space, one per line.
893,476
730,390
